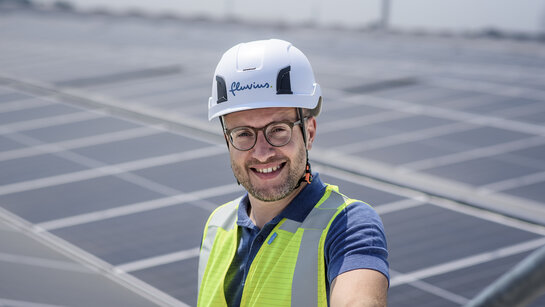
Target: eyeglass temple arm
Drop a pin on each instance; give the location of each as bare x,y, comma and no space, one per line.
224,131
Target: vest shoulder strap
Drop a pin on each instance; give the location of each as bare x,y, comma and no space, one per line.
308,284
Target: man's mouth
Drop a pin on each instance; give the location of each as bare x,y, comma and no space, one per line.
268,170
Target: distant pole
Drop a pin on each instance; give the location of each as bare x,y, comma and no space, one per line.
385,14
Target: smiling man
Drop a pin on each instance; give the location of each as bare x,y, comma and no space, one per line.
291,240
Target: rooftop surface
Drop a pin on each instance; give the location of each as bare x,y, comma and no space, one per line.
109,167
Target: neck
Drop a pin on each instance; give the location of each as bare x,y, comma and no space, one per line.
262,212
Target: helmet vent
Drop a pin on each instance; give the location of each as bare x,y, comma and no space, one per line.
283,83
222,89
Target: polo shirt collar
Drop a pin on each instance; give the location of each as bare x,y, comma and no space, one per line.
297,210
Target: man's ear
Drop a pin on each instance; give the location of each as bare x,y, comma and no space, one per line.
311,131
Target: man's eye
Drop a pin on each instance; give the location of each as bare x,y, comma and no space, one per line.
278,129
243,134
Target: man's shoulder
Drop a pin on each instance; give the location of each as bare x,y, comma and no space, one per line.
225,213
360,210
355,210
352,203
230,204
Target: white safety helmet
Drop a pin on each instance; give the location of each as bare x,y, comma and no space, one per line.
263,74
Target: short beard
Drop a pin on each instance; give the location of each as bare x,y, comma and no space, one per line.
281,191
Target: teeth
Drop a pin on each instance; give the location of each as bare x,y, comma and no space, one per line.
267,170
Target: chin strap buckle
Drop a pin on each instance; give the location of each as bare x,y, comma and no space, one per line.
308,174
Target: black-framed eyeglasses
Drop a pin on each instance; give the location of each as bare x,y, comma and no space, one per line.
277,134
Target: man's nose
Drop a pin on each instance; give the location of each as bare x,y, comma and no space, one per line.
262,149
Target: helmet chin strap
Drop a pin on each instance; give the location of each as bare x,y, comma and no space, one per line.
307,176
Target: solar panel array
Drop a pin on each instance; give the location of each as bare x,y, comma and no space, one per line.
109,165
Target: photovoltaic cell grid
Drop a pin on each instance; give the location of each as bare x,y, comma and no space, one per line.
136,195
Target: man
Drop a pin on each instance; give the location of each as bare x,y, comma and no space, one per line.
291,240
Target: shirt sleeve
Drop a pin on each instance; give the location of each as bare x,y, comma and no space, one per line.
356,240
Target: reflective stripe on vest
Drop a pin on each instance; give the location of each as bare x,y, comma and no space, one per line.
289,268
219,227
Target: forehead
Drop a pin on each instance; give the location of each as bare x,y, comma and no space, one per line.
259,117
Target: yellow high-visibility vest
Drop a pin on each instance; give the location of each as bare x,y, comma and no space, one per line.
289,268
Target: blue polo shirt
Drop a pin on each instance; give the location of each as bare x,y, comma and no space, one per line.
355,240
